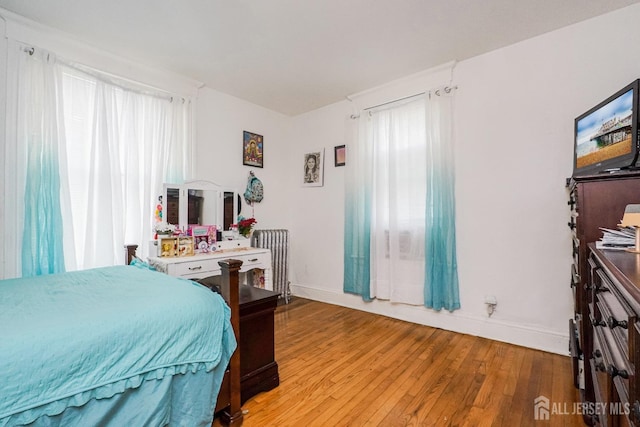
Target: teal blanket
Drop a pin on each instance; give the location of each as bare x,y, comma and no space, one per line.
68,338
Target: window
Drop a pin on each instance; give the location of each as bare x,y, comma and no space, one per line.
113,144
396,136
400,210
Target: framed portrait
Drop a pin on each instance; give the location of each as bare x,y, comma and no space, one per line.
252,149
313,169
340,155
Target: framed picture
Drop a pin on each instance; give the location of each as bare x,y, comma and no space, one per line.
252,149
313,169
340,155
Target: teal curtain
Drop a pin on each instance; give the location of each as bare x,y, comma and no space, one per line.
357,259
441,272
440,289
40,113
357,226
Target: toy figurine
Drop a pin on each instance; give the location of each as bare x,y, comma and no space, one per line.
158,214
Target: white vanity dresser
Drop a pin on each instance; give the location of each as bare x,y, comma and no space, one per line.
207,203
205,265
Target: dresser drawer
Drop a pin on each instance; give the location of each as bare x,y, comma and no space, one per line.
602,384
251,261
195,268
611,373
615,312
610,313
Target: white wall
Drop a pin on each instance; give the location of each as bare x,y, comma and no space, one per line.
221,120
514,125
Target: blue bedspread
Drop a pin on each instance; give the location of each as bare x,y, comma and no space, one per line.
68,338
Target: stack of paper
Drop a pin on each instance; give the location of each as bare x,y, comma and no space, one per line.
622,238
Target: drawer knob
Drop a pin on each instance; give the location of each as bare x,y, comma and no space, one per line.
612,322
615,372
571,225
195,268
597,353
252,259
596,322
600,367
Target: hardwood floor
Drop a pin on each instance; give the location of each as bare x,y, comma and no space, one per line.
342,367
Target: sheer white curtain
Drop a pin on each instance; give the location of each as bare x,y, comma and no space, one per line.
399,177
122,142
400,204
123,145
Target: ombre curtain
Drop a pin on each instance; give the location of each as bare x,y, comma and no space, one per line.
41,127
441,288
129,144
86,157
399,205
357,225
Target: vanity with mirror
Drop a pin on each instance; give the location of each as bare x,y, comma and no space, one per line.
206,203
200,203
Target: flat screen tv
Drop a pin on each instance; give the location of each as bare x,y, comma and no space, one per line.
606,136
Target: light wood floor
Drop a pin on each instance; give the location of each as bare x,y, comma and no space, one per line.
342,367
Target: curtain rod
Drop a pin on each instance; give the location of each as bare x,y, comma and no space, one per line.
446,89
394,101
112,79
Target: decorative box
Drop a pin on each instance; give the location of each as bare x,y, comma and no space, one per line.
168,246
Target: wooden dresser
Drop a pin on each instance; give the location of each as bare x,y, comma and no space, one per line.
614,288
598,201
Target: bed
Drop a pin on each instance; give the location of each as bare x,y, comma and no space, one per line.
118,345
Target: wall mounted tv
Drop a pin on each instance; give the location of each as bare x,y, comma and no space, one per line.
606,136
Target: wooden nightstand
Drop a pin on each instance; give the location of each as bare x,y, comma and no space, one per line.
258,368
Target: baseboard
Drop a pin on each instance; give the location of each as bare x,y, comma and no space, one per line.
511,333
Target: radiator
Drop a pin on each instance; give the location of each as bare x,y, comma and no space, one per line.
278,242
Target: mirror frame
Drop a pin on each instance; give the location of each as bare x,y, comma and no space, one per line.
203,185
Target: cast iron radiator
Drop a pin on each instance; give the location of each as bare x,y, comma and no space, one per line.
278,242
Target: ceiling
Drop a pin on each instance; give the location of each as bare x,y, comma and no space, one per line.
293,56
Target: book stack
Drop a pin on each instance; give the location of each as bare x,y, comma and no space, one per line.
622,238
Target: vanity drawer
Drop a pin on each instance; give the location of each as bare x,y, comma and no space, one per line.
195,268
205,265
251,261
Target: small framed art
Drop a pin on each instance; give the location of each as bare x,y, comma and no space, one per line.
313,169
340,155
252,149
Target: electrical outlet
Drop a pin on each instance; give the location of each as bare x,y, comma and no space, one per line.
490,299
491,303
